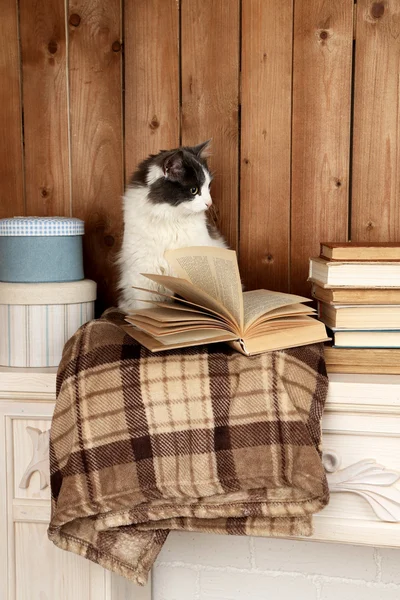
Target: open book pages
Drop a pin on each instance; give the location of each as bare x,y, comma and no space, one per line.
207,305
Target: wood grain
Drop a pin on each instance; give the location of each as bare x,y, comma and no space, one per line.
37,557
151,79
95,61
376,150
11,160
210,97
44,94
322,63
265,143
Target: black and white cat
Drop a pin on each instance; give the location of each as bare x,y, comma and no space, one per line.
165,208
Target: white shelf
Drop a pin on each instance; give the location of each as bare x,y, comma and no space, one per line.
17,382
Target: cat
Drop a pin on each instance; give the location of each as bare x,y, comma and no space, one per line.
164,208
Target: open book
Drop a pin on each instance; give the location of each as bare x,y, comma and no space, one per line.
205,304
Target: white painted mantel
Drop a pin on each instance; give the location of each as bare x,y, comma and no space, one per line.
361,455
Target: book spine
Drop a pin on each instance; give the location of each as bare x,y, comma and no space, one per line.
319,309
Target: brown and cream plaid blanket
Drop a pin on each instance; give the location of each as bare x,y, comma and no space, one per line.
201,439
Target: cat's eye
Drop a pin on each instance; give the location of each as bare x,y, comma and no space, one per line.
194,190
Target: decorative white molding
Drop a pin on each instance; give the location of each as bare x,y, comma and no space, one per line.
40,458
28,385
367,479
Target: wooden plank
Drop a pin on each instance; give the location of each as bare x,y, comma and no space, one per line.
210,92
11,161
322,63
151,78
265,143
376,146
43,51
95,66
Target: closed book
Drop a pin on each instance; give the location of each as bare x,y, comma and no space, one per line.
356,295
361,338
349,251
365,360
359,317
354,274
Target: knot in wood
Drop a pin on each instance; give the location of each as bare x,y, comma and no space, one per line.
74,20
268,259
323,35
116,47
154,123
109,240
377,10
370,225
52,46
44,192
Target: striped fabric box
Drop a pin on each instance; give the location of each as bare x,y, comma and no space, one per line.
37,319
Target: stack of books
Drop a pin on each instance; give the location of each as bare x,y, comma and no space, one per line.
357,287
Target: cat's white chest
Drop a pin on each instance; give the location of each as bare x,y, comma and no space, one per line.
173,236
183,234
148,233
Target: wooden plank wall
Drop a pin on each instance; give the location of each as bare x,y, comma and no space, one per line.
96,141
322,67
376,148
210,50
45,107
265,143
300,99
12,198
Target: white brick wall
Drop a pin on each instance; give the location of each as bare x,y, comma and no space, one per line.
212,567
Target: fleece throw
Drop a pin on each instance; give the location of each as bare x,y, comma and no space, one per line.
200,439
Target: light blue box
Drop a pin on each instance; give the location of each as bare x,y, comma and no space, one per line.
41,249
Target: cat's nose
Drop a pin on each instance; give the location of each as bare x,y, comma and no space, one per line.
208,202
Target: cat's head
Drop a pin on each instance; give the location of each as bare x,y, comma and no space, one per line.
177,178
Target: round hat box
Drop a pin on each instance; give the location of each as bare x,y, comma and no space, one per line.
36,319
41,249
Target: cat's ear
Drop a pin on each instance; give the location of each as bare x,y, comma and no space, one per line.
173,166
202,150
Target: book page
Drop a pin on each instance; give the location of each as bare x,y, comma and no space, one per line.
192,293
281,314
160,333
214,270
188,337
169,316
163,326
278,325
181,340
259,302
173,303
311,332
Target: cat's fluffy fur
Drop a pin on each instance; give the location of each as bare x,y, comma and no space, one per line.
164,208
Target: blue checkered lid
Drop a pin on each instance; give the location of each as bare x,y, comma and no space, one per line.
35,226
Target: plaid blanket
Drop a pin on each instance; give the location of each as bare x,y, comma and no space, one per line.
201,439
